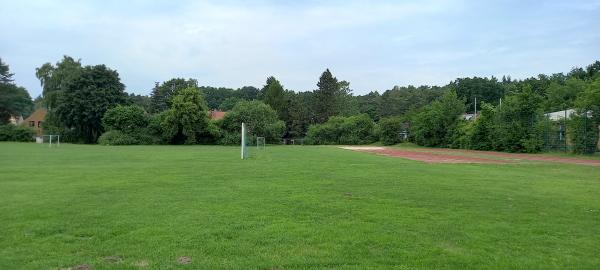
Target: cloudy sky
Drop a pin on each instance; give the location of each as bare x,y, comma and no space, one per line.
373,44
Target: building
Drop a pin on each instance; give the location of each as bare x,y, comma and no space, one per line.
555,116
216,115
35,121
16,120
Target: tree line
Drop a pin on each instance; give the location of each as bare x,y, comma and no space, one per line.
88,104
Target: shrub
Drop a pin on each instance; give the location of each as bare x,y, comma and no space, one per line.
390,130
584,133
116,137
519,125
463,135
357,129
10,132
435,124
128,119
482,136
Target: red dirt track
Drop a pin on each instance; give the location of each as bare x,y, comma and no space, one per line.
514,156
443,155
424,156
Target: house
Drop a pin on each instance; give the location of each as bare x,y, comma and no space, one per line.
555,116
35,121
16,120
216,115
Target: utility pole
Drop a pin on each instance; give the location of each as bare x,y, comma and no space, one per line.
475,116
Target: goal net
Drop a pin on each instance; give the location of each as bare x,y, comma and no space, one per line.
260,143
50,140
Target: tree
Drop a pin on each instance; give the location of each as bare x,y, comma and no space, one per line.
325,97
356,129
299,113
14,100
229,103
400,100
5,75
53,78
390,130
84,97
484,89
216,96
483,133
260,119
162,94
562,96
346,103
436,123
369,104
140,100
274,96
518,123
247,93
585,122
129,119
187,121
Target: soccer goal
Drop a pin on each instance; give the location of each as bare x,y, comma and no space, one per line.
260,143
51,140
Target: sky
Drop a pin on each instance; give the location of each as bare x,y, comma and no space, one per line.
374,45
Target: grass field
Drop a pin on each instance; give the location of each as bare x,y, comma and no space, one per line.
143,207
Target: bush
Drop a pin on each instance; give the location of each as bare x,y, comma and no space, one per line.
357,129
482,136
10,132
463,135
584,133
128,119
435,125
260,119
116,137
519,125
390,129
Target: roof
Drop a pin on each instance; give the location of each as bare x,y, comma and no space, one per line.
216,115
38,115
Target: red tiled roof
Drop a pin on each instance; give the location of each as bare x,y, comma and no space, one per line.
217,115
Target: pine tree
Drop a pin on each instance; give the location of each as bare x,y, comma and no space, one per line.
274,96
325,97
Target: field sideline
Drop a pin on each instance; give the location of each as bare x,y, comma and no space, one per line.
289,207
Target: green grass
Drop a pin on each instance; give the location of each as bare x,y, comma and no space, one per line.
289,208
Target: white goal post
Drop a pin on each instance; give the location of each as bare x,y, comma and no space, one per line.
244,145
51,138
260,143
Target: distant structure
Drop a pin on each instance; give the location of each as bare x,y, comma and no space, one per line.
469,116
35,121
555,116
16,120
216,114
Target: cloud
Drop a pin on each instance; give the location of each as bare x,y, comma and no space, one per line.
374,45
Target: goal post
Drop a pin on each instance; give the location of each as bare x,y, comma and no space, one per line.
260,143
51,140
244,144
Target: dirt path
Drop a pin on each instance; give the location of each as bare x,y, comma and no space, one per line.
427,157
514,156
445,155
